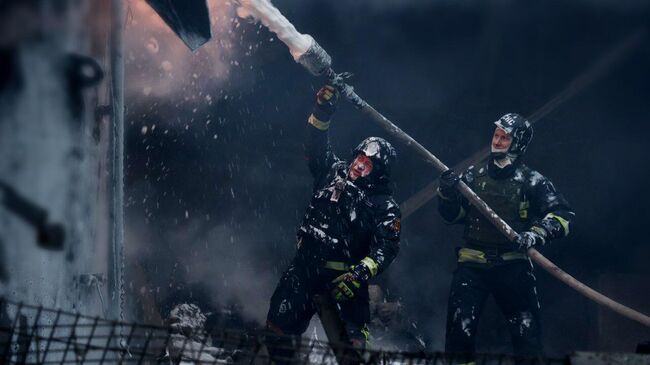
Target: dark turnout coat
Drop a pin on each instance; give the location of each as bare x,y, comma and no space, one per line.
345,220
519,195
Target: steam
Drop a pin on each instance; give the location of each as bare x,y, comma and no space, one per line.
243,276
270,16
158,62
227,261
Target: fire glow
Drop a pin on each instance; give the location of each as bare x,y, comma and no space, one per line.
159,64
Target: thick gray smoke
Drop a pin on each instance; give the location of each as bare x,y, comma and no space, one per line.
222,260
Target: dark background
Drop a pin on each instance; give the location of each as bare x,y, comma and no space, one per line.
216,189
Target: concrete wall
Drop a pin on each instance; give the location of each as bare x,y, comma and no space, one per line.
54,152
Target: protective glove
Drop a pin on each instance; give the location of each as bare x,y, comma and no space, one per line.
535,237
447,185
347,285
326,100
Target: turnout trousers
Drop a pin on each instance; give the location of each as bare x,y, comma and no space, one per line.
513,286
292,306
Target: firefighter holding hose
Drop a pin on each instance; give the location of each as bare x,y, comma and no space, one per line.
350,233
489,263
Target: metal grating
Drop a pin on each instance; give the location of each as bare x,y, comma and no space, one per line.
37,335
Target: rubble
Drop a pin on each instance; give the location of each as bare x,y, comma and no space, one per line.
189,339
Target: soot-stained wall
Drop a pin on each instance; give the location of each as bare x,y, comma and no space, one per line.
51,151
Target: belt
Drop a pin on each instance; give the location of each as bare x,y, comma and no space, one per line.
484,257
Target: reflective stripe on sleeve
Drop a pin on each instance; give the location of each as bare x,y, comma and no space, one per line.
318,124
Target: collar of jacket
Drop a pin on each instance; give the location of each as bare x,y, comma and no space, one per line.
499,173
374,188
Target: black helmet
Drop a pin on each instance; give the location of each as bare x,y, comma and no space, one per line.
519,129
381,153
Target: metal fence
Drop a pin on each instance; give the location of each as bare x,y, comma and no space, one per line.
36,335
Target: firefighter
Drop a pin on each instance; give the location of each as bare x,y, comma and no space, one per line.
349,233
489,263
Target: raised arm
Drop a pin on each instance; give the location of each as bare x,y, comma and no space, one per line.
318,151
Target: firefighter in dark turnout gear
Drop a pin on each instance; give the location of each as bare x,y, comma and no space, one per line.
349,233
489,263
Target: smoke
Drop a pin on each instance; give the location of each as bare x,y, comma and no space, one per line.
195,213
203,211
233,269
235,258
158,62
225,260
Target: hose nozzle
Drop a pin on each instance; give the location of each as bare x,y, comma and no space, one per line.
315,60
